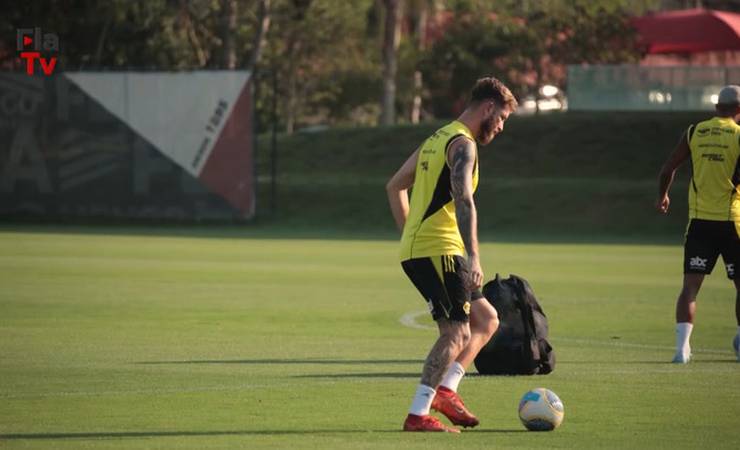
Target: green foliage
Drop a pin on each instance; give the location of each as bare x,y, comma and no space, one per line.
319,51
470,48
525,50
138,34
599,35
326,53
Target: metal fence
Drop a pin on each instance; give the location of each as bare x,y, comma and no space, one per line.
641,88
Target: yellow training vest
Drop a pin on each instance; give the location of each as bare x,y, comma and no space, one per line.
431,226
715,148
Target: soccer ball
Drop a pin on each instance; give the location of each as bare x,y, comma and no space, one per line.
541,410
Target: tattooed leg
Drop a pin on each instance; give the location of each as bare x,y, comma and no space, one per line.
453,337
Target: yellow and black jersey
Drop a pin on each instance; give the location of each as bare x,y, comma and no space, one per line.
715,149
431,226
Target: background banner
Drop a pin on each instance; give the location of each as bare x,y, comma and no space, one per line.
130,145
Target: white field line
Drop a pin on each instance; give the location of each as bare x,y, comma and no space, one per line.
409,320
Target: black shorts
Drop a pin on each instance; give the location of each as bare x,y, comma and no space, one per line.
705,241
441,281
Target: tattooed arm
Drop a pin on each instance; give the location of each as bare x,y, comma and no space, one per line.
461,158
397,190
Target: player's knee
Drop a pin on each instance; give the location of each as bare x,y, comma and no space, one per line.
490,324
488,321
688,294
493,322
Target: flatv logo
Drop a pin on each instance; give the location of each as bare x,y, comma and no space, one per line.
30,42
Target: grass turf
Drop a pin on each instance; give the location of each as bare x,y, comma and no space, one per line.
145,340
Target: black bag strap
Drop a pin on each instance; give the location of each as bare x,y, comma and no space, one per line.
533,348
542,354
547,362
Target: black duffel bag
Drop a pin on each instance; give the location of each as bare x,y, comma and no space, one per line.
519,346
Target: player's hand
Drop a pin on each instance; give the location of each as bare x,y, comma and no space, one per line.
476,274
662,204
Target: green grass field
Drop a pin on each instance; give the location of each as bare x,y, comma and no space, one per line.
201,340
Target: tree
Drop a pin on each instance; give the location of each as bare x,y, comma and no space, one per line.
420,12
227,28
391,41
294,43
469,47
325,52
260,35
527,50
326,70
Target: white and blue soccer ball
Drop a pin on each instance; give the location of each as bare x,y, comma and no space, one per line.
541,410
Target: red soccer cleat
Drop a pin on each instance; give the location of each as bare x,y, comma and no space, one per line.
426,423
451,405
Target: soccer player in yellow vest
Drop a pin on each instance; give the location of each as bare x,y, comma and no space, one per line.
713,147
439,228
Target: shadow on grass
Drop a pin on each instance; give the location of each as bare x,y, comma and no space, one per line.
149,434
480,430
663,362
154,434
291,361
362,375
657,362
713,361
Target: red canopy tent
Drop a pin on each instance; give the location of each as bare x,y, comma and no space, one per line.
689,31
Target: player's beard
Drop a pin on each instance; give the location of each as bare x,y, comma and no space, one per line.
486,134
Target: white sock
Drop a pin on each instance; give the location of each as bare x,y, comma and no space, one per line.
683,334
453,377
422,400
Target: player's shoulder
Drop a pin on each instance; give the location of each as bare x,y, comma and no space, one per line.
462,149
451,134
463,142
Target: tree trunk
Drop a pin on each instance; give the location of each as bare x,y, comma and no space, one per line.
416,102
263,25
228,29
391,40
537,95
294,46
292,85
187,23
101,40
420,32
